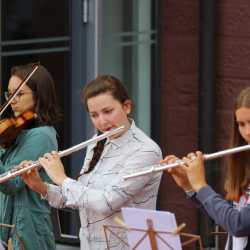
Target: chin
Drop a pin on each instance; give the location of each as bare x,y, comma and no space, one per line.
16,114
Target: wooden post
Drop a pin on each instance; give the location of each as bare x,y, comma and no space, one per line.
152,235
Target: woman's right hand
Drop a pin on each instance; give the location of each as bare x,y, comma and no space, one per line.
178,173
33,180
53,166
195,170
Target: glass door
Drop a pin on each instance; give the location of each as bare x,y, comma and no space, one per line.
125,44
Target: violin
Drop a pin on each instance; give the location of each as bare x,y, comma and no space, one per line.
10,128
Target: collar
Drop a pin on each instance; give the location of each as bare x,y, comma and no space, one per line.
124,138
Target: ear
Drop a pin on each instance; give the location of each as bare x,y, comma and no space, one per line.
127,106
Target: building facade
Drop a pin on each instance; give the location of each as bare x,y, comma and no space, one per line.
155,48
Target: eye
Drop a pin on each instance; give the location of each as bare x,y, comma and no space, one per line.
93,115
241,124
108,111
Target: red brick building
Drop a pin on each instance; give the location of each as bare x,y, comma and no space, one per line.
180,34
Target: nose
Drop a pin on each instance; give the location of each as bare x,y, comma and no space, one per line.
14,100
102,121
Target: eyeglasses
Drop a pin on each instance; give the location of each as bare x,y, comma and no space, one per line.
7,95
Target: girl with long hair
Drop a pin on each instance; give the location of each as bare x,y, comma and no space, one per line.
233,212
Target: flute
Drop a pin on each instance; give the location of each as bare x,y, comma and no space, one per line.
16,171
163,166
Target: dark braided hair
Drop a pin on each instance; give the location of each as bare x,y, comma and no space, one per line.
103,84
98,149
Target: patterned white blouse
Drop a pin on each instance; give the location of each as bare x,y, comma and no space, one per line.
100,194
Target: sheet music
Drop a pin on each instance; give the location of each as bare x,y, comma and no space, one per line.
1,246
162,220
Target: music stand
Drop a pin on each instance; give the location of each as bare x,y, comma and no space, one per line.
13,231
149,236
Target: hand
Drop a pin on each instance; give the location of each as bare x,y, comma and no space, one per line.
195,170
178,174
53,166
33,180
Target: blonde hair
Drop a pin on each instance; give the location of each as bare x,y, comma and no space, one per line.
238,170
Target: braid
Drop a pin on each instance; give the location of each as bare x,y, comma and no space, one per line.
98,149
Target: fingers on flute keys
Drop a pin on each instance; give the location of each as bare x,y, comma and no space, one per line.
50,155
170,159
188,159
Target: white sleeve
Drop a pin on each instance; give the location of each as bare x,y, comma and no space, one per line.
54,196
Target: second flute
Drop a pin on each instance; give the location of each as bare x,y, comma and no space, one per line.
160,167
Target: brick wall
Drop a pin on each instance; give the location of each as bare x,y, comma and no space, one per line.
179,84
179,89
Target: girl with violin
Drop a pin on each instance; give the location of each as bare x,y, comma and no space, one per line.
19,205
232,213
100,191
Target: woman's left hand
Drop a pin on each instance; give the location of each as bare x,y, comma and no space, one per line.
195,170
53,166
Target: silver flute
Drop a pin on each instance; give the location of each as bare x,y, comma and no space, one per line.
163,166
16,171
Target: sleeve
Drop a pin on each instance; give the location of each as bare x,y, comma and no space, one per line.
118,192
36,143
235,222
55,197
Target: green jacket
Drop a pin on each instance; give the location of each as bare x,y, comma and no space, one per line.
18,204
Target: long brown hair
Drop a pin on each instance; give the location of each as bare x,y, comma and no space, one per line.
103,84
238,169
43,89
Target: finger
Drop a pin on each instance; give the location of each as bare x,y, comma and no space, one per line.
199,154
43,161
171,170
168,158
184,168
192,156
28,163
54,153
175,170
47,155
185,162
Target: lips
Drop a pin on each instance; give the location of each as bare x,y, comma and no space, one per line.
107,129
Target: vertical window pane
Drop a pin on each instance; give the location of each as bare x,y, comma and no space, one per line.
127,48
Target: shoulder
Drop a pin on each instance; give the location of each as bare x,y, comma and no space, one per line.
143,138
40,134
43,130
144,142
